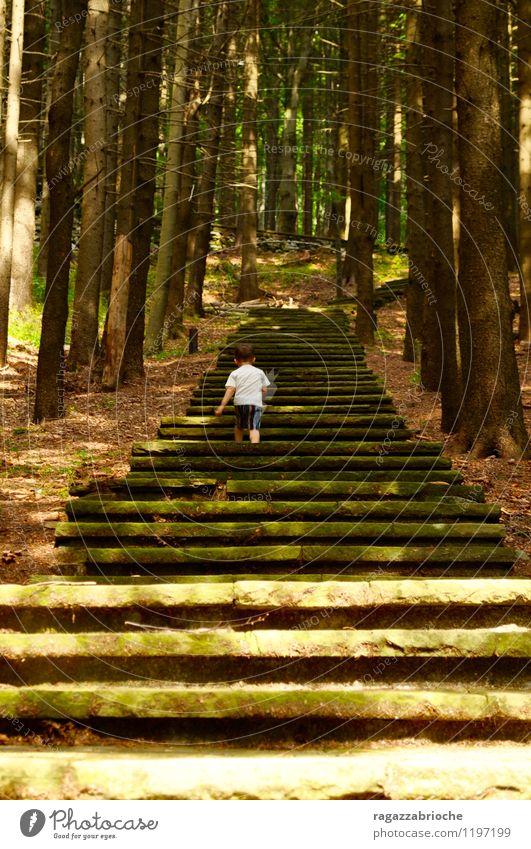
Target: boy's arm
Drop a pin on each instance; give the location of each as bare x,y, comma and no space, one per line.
229,394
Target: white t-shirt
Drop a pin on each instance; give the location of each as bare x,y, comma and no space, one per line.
248,382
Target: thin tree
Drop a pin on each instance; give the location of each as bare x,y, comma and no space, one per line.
7,192
416,237
491,419
84,342
524,132
248,288
172,175
28,156
49,401
439,369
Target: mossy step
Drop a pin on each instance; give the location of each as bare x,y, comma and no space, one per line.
256,531
223,642
345,409
204,448
141,511
423,771
346,401
277,433
83,701
308,592
295,556
281,420
287,462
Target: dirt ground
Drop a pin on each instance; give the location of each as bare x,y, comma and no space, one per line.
94,440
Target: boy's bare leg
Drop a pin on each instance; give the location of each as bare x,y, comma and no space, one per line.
238,434
254,436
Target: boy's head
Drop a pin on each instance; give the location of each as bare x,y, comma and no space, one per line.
243,354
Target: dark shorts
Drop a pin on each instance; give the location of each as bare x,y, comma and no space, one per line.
248,416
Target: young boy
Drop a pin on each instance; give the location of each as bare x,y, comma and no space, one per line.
248,385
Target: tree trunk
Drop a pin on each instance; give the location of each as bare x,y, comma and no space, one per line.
271,153
307,162
248,288
44,217
116,319
287,193
3,32
524,197
363,130
113,56
416,238
84,340
7,196
508,124
394,175
49,402
147,132
491,419
170,212
227,187
207,183
439,369
21,295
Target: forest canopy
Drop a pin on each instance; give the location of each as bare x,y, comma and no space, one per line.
140,138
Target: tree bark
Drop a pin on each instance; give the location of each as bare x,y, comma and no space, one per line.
363,131
84,339
113,56
416,238
7,195
307,162
524,133
170,212
287,193
147,133
49,401
207,182
491,419
394,175
439,369
21,295
248,288
227,187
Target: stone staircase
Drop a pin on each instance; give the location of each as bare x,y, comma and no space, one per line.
329,614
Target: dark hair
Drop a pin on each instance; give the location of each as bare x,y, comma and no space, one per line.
243,352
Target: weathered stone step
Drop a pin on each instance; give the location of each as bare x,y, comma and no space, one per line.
289,462
266,701
219,448
261,592
422,771
343,401
216,558
247,532
223,642
277,433
285,394
354,407
299,420
141,511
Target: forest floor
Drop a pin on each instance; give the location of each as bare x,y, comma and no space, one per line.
94,440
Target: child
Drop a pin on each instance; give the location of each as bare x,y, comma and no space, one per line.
248,385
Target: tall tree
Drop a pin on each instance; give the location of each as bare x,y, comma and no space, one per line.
439,369
523,11
84,341
7,191
416,240
28,156
363,48
213,113
299,42
248,288
491,419
50,368
172,178
125,316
